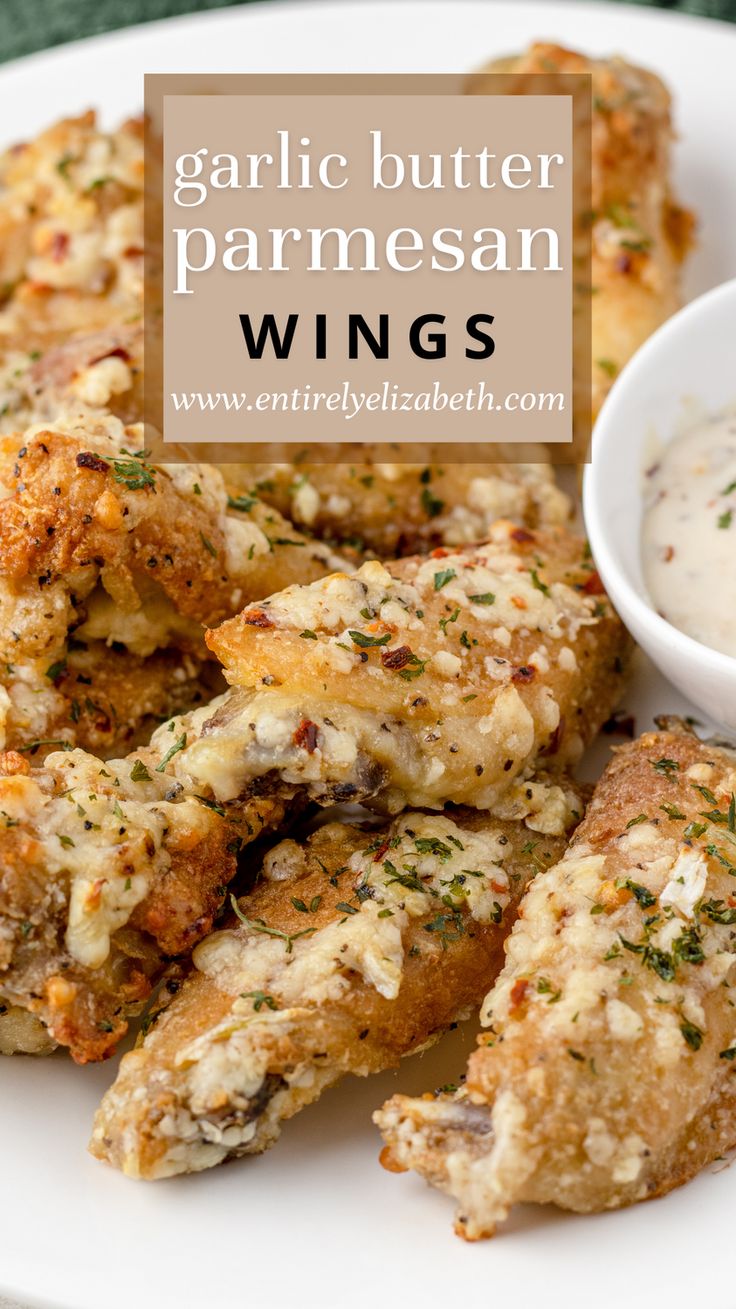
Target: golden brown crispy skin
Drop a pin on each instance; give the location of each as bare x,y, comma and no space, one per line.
419,682
640,233
605,1075
356,948
106,869
394,509
109,567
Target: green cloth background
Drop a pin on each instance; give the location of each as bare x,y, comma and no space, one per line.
28,25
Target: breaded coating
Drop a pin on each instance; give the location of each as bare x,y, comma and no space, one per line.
640,233
89,374
71,231
109,568
105,870
606,1071
420,681
354,949
395,509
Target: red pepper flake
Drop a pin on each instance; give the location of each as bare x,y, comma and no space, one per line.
380,852
306,735
439,553
59,246
89,460
398,658
668,553
594,585
518,992
526,673
257,618
522,536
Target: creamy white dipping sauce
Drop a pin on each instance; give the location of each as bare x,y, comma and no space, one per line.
689,533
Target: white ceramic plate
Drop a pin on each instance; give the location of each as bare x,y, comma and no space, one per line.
316,1221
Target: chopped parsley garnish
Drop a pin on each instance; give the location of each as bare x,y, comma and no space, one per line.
414,668
365,642
208,545
449,927
666,767
694,830
607,366
717,911
442,578
242,503
133,473
139,772
174,749
692,1034
486,598
258,925
259,998
688,947
430,503
443,623
433,845
537,582
303,908
641,893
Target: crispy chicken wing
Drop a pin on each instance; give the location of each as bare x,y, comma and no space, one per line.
640,234
356,948
419,682
71,231
105,870
397,509
109,568
605,1073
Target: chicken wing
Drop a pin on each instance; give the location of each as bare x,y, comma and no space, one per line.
397,509
71,231
605,1073
356,948
106,869
419,682
109,567
640,234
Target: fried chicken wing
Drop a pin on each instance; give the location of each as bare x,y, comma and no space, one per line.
88,374
106,869
354,949
405,508
640,234
605,1073
418,682
71,231
109,568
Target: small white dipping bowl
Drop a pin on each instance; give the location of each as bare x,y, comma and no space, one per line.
691,360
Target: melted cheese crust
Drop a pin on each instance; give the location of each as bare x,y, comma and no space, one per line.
604,1074
327,972
417,682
